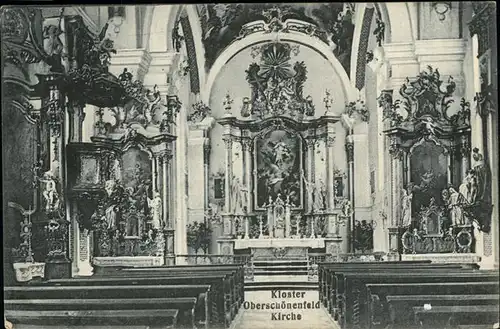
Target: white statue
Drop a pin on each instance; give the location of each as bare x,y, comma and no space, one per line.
319,199
309,189
468,188
110,216
455,206
346,208
156,207
110,187
406,205
236,196
429,126
50,192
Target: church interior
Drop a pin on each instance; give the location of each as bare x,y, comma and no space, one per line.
195,165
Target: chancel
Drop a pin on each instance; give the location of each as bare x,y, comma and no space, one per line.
201,165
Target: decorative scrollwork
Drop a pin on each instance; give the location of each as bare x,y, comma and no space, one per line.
358,107
200,112
349,146
277,90
379,31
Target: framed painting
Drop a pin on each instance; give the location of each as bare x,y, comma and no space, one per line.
278,164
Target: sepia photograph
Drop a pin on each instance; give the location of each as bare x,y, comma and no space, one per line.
321,165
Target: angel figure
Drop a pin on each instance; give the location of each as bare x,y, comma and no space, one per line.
156,206
281,151
406,204
130,133
430,126
50,192
426,179
152,99
53,45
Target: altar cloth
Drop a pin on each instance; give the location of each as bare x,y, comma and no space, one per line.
279,243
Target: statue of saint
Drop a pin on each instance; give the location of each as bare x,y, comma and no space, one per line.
346,208
110,215
236,196
319,196
406,205
156,207
309,189
455,207
482,174
468,188
50,192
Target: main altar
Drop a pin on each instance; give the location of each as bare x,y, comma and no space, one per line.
288,193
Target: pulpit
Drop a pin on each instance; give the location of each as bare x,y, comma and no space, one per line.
120,183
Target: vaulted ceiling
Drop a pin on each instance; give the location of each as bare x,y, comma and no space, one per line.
222,24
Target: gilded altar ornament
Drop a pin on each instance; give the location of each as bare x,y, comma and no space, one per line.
277,86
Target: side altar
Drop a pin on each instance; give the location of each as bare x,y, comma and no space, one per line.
285,189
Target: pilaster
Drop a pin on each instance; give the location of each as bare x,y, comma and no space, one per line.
198,141
447,55
136,61
160,69
402,63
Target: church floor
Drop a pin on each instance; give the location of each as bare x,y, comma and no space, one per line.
270,319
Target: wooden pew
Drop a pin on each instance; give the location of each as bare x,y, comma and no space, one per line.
161,318
326,283
236,281
232,288
334,284
378,304
185,305
352,296
399,309
452,316
324,267
113,292
215,280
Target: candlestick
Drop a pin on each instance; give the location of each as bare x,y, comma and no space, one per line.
261,235
328,101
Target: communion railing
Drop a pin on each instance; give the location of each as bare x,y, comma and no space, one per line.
210,259
456,239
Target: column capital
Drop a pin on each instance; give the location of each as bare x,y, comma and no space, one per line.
330,140
164,157
228,140
310,142
246,144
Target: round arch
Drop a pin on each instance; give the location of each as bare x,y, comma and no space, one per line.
256,38
400,26
160,21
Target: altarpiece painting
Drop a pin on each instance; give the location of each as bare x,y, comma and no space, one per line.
278,161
